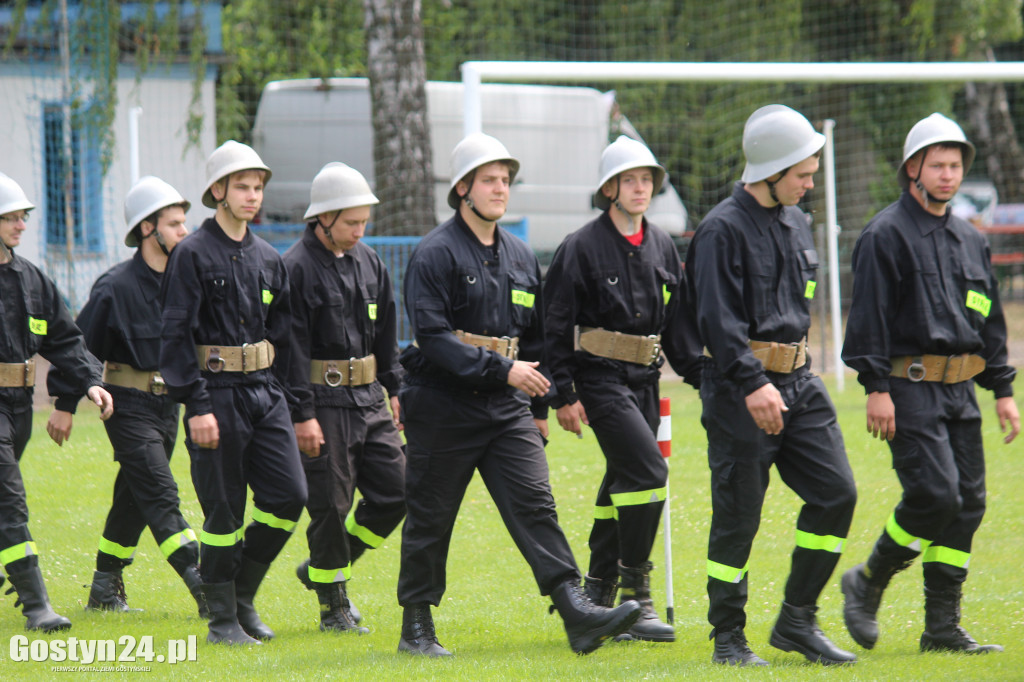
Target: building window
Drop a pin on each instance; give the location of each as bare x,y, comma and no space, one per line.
79,199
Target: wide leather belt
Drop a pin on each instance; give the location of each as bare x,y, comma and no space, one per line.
951,369
126,376
249,357
507,346
351,372
782,358
641,350
18,374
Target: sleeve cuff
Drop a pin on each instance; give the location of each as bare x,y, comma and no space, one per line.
875,384
67,404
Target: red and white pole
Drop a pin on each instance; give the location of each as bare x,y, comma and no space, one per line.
665,444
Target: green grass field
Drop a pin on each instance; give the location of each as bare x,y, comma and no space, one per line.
492,616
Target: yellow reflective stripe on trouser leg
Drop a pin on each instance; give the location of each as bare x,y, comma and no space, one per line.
903,538
18,551
947,555
638,497
330,575
827,543
727,574
113,549
369,538
602,513
273,521
177,541
221,540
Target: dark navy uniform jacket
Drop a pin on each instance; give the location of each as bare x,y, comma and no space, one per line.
342,308
34,319
454,282
217,291
923,284
598,279
120,323
752,272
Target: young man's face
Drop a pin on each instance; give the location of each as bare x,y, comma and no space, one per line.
11,227
349,227
941,171
797,181
243,192
635,189
490,189
171,226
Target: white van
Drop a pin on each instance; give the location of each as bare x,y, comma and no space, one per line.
556,132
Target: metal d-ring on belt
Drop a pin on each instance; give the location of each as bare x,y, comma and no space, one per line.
18,374
949,369
249,357
351,372
126,376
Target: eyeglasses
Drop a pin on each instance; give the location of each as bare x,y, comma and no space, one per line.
14,218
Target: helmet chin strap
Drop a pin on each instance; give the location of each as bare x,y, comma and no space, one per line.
926,197
159,240
328,229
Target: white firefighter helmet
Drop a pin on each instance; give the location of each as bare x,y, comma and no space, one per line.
934,129
475,150
12,196
775,138
146,197
622,155
230,157
336,187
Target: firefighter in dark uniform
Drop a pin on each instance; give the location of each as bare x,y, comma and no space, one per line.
121,325
753,270
226,312
619,282
33,319
345,354
925,326
473,296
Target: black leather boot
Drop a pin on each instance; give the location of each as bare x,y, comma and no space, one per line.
223,623
601,591
247,582
302,573
862,596
194,582
586,624
335,615
35,602
797,630
418,637
636,585
942,630
731,648
107,593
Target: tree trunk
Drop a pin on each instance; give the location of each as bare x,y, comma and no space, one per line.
402,153
993,134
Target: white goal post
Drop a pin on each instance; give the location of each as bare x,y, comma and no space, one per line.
475,72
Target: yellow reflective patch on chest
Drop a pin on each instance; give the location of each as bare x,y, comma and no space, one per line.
665,293
371,310
267,296
36,326
523,298
809,289
979,302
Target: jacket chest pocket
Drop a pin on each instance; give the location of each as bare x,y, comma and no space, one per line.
762,282
808,282
609,290
215,287
469,288
977,297
523,289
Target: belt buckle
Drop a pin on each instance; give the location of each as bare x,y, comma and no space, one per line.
351,367
214,362
29,379
333,376
916,371
508,345
245,353
157,385
655,348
